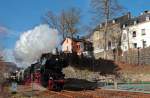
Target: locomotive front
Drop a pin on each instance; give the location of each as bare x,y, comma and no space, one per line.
51,71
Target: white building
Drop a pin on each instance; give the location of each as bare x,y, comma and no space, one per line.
136,32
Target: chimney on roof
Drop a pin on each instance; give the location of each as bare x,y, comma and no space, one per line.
124,26
100,25
146,11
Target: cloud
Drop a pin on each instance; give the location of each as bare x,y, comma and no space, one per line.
3,30
6,32
34,42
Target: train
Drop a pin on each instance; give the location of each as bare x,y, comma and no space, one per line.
47,71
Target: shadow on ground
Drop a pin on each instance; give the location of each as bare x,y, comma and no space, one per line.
79,85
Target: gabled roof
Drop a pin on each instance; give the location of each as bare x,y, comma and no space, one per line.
77,40
138,19
119,20
74,39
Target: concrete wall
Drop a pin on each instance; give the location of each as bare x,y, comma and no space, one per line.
109,53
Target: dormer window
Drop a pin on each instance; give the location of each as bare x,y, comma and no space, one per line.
124,26
100,25
147,18
143,32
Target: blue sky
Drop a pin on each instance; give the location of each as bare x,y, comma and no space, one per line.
18,16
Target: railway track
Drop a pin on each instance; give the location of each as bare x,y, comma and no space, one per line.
69,94
97,93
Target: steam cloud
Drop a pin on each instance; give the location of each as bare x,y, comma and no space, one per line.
33,43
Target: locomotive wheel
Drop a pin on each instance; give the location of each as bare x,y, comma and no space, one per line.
58,87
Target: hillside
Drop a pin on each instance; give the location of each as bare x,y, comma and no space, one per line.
125,73
137,73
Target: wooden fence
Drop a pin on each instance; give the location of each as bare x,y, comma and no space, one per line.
136,56
140,56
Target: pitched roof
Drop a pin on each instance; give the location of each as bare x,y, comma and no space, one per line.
119,20
138,19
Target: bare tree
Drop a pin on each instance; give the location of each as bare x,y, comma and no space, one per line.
66,22
72,20
105,10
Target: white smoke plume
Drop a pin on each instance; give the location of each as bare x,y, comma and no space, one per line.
33,43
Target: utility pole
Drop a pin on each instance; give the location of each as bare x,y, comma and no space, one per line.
128,38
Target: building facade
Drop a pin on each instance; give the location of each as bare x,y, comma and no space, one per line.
113,35
79,46
72,45
135,33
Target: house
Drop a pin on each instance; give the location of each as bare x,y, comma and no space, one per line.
88,48
135,32
79,46
70,45
113,35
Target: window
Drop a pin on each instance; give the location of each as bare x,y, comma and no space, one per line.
125,47
134,45
147,18
143,32
97,35
135,22
124,36
67,40
78,46
134,34
113,21
109,45
144,43
124,25
67,48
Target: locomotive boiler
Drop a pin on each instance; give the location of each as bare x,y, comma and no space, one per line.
51,71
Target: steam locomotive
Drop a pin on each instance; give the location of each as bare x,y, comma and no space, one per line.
47,72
